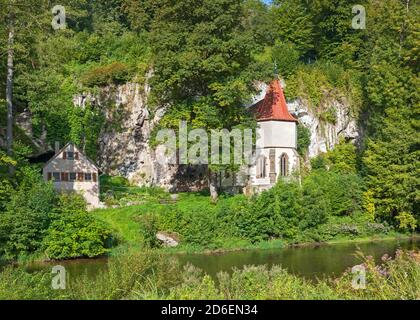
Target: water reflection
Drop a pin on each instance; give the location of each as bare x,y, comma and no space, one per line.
310,262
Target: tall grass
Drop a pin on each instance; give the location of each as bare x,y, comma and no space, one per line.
151,275
392,280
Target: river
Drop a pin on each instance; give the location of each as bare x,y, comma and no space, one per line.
309,261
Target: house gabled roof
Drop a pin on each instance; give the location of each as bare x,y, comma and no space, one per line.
63,148
273,106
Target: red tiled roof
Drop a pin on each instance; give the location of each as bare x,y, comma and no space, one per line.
273,106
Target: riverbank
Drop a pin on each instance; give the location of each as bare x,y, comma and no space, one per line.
151,275
124,249
228,226
279,244
202,227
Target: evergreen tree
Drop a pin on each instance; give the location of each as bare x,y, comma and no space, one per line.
392,152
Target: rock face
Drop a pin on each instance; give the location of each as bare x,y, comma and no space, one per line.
326,134
125,139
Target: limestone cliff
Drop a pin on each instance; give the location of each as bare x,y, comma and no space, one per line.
125,139
325,134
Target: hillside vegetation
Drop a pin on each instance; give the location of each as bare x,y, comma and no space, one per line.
204,58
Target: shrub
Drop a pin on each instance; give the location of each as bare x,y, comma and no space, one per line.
342,158
287,211
316,209
277,211
406,221
193,218
342,193
319,162
115,73
376,228
74,232
329,115
148,223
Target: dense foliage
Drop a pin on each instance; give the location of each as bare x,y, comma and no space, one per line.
288,211
27,216
201,59
325,205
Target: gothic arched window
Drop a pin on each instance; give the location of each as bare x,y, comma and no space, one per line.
284,165
261,171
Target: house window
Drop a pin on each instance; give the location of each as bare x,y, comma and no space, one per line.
88,177
284,165
72,176
261,167
64,176
56,176
70,155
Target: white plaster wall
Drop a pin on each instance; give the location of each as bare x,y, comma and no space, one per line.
272,134
89,190
293,164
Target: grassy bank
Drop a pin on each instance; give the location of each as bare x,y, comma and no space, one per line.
209,228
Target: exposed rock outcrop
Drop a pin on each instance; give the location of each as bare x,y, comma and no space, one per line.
326,134
125,139
168,239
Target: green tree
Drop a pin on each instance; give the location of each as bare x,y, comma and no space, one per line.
294,24
203,64
392,149
27,217
391,164
277,211
341,193
343,158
